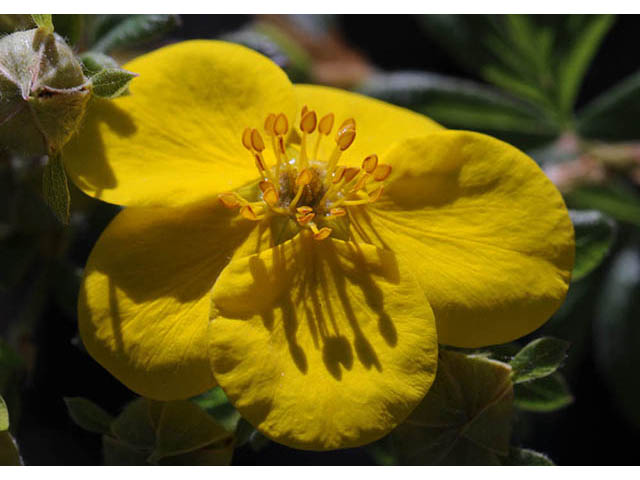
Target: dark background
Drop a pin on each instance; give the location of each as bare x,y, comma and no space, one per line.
589,431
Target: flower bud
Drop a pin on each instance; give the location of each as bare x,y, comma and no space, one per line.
43,92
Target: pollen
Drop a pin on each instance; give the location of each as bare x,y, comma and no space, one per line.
314,190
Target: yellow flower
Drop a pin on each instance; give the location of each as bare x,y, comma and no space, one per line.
302,266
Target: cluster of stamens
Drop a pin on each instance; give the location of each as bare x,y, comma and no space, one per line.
300,185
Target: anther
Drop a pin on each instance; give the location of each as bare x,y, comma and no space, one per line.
281,125
309,122
306,218
246,138
339,174
381,172
375,194
362,181
370,163
349,123
350,173
229,200
304,210
256,140
265,185
338,212
326,124
271,197
304,178
269,124
249,213
345,138
321,234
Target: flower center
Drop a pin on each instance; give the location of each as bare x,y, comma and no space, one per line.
313,193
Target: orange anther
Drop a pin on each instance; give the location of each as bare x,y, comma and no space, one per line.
304,178
265,185
249,213
338,212
326,124
269,124
348,123
338,174
370,163
375,194
304,210
323,233
345,138
350,173
246,138
260,163
282,124
381,172
306,218
309,122
305,109
229,199
271,197
256,140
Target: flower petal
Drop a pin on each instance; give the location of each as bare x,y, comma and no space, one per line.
145,299
322,344
177,137
485,231
378,124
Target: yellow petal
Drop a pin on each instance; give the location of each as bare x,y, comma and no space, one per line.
485,231
378,124
177,137
145,299
322,344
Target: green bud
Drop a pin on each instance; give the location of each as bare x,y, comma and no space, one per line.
43,92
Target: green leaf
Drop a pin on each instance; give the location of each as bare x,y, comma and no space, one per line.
594,233
544,394
55,188
9,454
11,23
111,82
134,30
572,68
43,21
4,415
613,115
216,404
616,200
94,62
538,359
524,456
88,415
133,426
616,331
464,104
203,456
465,417
118,453
184,427
70,27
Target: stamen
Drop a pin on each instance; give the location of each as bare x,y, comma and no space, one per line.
350,173
265,185
344,139
271,197
305,219
374,195
304,210
324,129
281,127
370,163
339,174
246,138
256,140
338,212
362,181
230,199
321,234
307,125
269,125
381,172
304,179
348,123
250,214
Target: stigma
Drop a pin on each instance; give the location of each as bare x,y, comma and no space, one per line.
313,192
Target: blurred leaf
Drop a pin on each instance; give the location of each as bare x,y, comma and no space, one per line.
383,451
17,254
184,427
617,331
133,426
44,21
9,454
464,104
572,68
538,359
111,82
216,404
526,457
203,456
55,188
544,394
4,416
65,279
616,200
94,62
12,23
88,415
465,417
70,27
614,114
594,234
134,30
118,453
